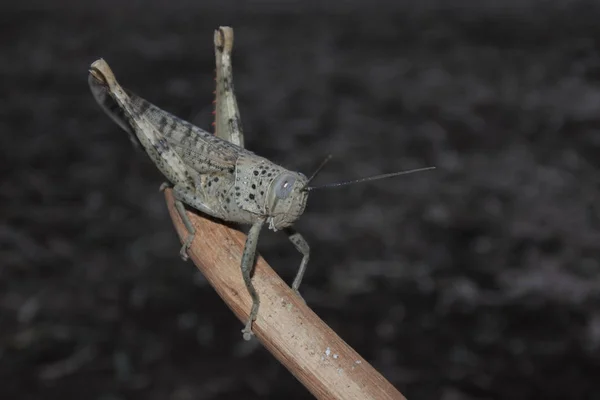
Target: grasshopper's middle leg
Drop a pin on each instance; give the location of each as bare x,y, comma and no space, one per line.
186,222
302,246
248,259
190,197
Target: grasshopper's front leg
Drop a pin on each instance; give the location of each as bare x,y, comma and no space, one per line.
248,259
302,246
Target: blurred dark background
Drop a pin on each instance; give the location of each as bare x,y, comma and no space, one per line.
480,280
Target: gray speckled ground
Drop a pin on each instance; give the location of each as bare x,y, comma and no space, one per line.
478,280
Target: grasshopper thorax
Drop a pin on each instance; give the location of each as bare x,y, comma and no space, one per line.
268,190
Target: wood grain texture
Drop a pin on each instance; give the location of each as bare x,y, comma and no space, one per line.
327,366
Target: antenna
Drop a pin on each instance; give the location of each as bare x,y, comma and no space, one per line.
317,171
370,178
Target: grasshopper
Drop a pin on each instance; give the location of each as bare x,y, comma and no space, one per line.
215,174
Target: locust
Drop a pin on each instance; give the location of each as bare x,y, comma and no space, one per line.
214,173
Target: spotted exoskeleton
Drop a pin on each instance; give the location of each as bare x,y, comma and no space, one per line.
213,173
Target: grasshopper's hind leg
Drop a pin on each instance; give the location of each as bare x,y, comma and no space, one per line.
228,124
150,135
248,259
302,246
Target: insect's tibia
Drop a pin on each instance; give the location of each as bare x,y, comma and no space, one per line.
227,118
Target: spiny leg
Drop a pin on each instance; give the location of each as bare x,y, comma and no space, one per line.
228,124
248,259
150,134
302,246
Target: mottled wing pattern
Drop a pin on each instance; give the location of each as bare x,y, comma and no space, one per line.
197,149
200,150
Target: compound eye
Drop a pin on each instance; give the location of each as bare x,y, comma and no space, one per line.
283,186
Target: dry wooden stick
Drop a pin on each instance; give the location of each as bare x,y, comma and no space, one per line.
292,332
